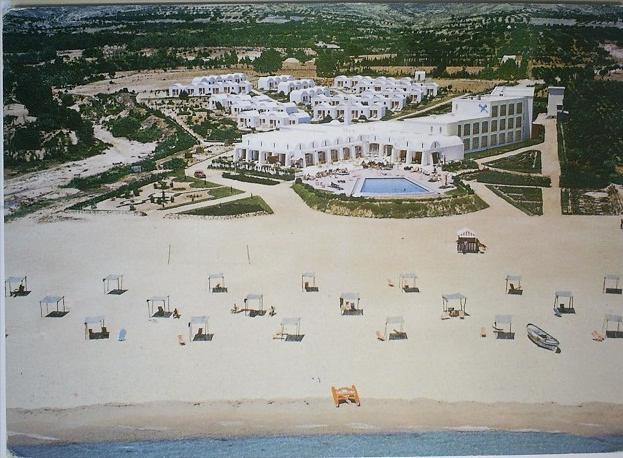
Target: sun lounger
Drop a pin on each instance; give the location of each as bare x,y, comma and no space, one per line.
345,394
380,336
597,337
180,340
461,314
483,332
445,316
122,335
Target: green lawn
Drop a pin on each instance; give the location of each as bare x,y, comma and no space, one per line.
495,177
249,178
528,162
224,191
244,206
527,199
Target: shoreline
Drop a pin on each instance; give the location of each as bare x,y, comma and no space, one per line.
303,417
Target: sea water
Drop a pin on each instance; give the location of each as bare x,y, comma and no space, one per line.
338,445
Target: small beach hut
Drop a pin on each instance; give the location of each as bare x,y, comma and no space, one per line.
16,286
394,329
218,279
453,305
254,304
467,242
407,282
308,282
503,327
563,296
349,304
513,284
611,284
200,325
117,280
289,330
92,321
162,304
58,302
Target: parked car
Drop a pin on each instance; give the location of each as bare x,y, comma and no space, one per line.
199,174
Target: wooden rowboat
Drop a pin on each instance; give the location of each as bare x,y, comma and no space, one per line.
542,338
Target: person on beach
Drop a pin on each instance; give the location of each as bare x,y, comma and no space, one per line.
176,313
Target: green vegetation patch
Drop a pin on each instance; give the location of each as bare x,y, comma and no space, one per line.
250,178
224,191
527,162
466,202
575,201
495,177
527,199
248,205
465,164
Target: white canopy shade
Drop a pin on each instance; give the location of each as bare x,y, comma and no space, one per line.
51,299
198,319
453,296
395,320
612,277
503,319
15,279
308,274
613,318
511,277
408,275
94,319
254,296
350,296
113,277
217,275
291,322
564,294
158,298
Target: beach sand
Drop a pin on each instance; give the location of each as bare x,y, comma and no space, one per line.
52,366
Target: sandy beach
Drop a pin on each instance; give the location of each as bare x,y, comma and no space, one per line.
52,366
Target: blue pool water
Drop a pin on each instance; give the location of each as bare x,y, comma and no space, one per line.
339,445
391,186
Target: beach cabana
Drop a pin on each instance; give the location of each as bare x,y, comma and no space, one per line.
116,280
308,282
467,242
90,323
16,286
289,330
453,305
560,298
162,305
394,329
219,283
611,284
198,330
513,284
58,302
349,304
610,333
407,282
503,327
254,304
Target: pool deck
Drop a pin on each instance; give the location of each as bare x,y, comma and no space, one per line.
348,178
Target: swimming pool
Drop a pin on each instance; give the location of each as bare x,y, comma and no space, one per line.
394,185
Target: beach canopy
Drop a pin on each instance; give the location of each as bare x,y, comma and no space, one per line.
94,320
201,322
216,276
219,278
395,320
408,275
453,296
259,298
564,294
15,279
51,300
306,278
606,277
254,296
613,318
503,319
350,296
113,277
308,274
158,299
291,322
610,318
611,284
14,283
290,329
511,277
198,320
166,304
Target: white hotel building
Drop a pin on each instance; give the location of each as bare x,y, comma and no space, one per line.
232,83
475,123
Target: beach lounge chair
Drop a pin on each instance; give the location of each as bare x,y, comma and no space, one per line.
345,394
483,332
597,337
122,335
445,315
380,336
180,340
